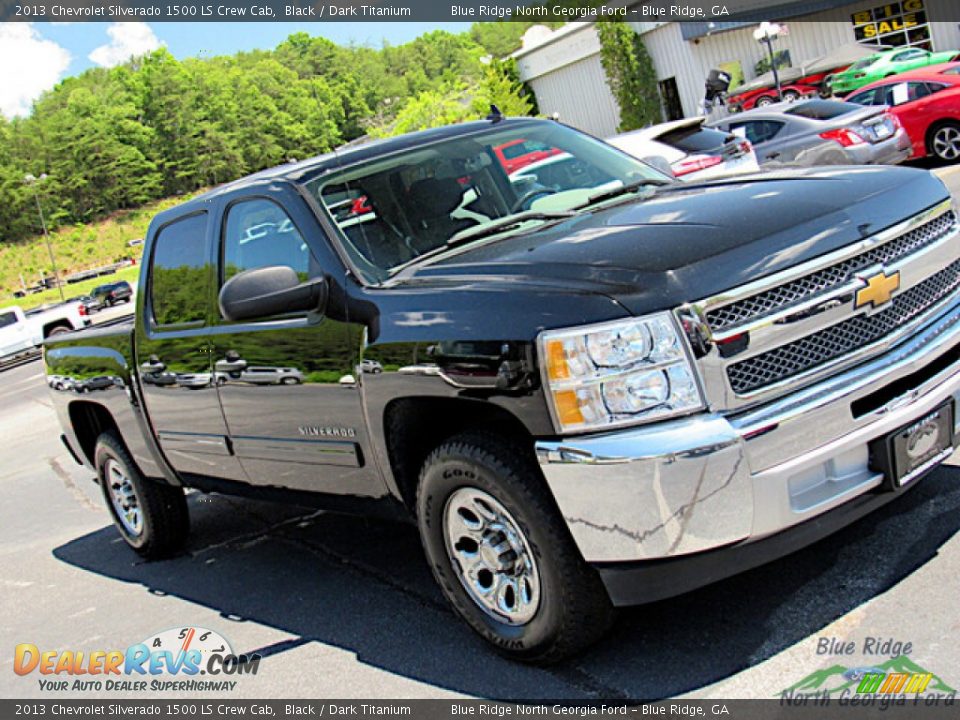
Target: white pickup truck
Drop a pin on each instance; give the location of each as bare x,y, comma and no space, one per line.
21,333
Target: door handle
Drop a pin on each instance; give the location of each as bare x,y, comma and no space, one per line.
226,365
773,155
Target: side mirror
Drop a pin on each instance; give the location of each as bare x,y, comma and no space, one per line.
270,291
660,163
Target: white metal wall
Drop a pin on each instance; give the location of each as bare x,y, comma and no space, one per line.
579,93
689,62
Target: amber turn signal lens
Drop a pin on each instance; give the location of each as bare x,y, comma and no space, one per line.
557,368
568,407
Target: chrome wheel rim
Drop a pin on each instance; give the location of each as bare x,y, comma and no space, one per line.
123,497
491,556
946,143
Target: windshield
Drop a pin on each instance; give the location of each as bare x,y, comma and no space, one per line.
392,210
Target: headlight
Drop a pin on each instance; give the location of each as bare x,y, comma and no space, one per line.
618,373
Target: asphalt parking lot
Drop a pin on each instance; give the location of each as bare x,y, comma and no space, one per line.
346,608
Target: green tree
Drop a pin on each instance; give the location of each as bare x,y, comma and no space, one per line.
500,86
630,74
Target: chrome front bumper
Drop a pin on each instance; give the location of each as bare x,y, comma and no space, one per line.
685,486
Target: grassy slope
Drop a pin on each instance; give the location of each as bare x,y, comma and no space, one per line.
77,247
130,274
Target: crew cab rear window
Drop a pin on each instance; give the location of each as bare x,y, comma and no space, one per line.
179,276
7,319
820,109
694,139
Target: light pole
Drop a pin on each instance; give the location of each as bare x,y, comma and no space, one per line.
31,180
767,33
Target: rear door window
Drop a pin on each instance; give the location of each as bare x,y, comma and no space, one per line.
904,92
179,274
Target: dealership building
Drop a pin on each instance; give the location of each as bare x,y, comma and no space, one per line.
563,67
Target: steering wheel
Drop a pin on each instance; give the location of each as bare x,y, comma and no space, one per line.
529,195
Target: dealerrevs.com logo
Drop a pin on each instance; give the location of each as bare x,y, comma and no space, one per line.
170,661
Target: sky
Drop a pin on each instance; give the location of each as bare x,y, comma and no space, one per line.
36,56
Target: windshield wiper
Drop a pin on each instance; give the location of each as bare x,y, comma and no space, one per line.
492,228
622,190
505,223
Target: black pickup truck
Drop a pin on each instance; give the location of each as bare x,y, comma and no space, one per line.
589,385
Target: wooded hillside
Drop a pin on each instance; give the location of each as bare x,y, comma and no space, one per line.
157,127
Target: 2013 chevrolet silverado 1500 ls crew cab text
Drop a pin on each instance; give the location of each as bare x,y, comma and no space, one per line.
590,387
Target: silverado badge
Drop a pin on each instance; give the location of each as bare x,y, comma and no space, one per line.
880,287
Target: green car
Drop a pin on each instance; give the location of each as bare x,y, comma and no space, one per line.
883,64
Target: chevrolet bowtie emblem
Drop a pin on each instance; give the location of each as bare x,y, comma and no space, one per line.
879,289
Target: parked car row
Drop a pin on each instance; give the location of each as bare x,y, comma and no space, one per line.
254,375
910,115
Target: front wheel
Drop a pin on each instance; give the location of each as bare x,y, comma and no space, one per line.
945,142
503,556
152,517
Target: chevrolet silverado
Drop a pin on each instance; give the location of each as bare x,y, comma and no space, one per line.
588,388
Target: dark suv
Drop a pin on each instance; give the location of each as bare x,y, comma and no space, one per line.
113,293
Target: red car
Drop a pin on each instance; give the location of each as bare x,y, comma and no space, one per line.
517,154
767,95
927,104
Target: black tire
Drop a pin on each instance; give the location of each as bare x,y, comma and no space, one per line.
165,518
935,148
58,330
791,96
763,101
574,609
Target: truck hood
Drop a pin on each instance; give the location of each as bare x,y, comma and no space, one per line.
692,241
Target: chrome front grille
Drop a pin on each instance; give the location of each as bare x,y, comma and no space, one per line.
838,340
808,286
804,324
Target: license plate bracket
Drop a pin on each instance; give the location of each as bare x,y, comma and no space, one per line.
901,453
